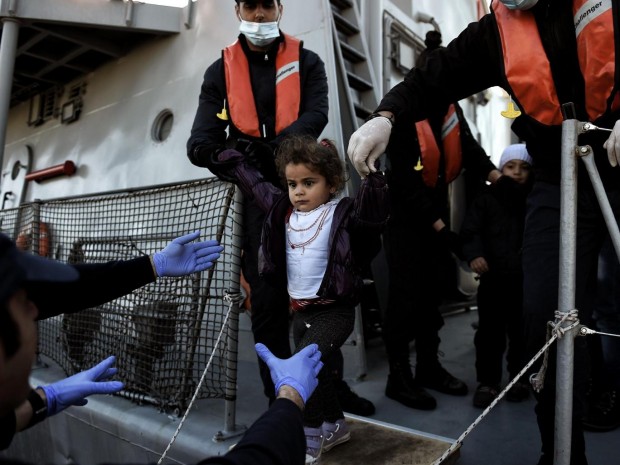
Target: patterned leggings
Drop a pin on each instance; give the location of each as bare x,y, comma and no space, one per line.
328,326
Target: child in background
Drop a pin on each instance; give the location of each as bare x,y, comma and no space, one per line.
492,234
317,244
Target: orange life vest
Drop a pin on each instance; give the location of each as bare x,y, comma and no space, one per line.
431,154
527,67
241,104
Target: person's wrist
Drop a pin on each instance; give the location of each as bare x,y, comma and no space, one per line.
159,263
382,114
290,393
38,402
153,265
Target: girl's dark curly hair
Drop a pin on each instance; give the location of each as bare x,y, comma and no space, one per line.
321,157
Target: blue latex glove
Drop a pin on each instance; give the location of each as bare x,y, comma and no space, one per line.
181,257
74,389
299,371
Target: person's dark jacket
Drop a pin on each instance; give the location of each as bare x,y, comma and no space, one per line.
276,438
407,186
473,62
493,228
98,283
208,136
354,238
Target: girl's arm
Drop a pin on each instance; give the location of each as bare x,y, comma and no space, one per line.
248,179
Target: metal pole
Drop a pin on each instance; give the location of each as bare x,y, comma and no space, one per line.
566,294
8,50
233,322
601,195
189,14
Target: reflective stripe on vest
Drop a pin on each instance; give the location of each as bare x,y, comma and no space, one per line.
430,153
527,67
241,104
595,43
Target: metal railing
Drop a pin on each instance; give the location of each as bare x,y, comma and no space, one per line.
164,332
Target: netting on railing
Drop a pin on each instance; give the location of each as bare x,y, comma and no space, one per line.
162,333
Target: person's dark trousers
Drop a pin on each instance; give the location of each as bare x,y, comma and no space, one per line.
328,326
607,311
541,284
270,306
499,319
414,293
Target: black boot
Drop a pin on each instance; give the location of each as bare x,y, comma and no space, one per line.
351,402
403,388
438,378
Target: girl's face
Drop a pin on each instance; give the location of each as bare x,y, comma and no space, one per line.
518,170
307,189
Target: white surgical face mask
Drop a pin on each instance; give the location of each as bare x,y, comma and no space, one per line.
259,34
519,4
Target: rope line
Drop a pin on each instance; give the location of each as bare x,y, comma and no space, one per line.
230,299
537,380
554,332
585,331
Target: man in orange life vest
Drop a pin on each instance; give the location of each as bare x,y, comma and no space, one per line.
418,243
544,53
239,93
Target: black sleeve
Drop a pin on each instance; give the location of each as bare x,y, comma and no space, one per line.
469,64
276,438
8,425
98,283
208,134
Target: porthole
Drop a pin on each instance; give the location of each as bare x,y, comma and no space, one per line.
162,126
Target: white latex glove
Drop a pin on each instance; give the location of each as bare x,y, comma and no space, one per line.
368,143
613,145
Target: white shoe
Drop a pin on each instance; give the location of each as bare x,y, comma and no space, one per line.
335,433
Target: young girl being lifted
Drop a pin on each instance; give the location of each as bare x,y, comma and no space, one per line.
316,244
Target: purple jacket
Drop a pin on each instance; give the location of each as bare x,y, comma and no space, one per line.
354,238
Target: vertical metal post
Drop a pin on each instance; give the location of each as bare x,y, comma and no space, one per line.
233,321
566,293
601,195
189,14
8,50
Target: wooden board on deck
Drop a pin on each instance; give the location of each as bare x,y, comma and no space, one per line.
378,443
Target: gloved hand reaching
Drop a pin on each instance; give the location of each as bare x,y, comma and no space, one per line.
182,257
368,143
452,241
299,371
74,389
612,145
